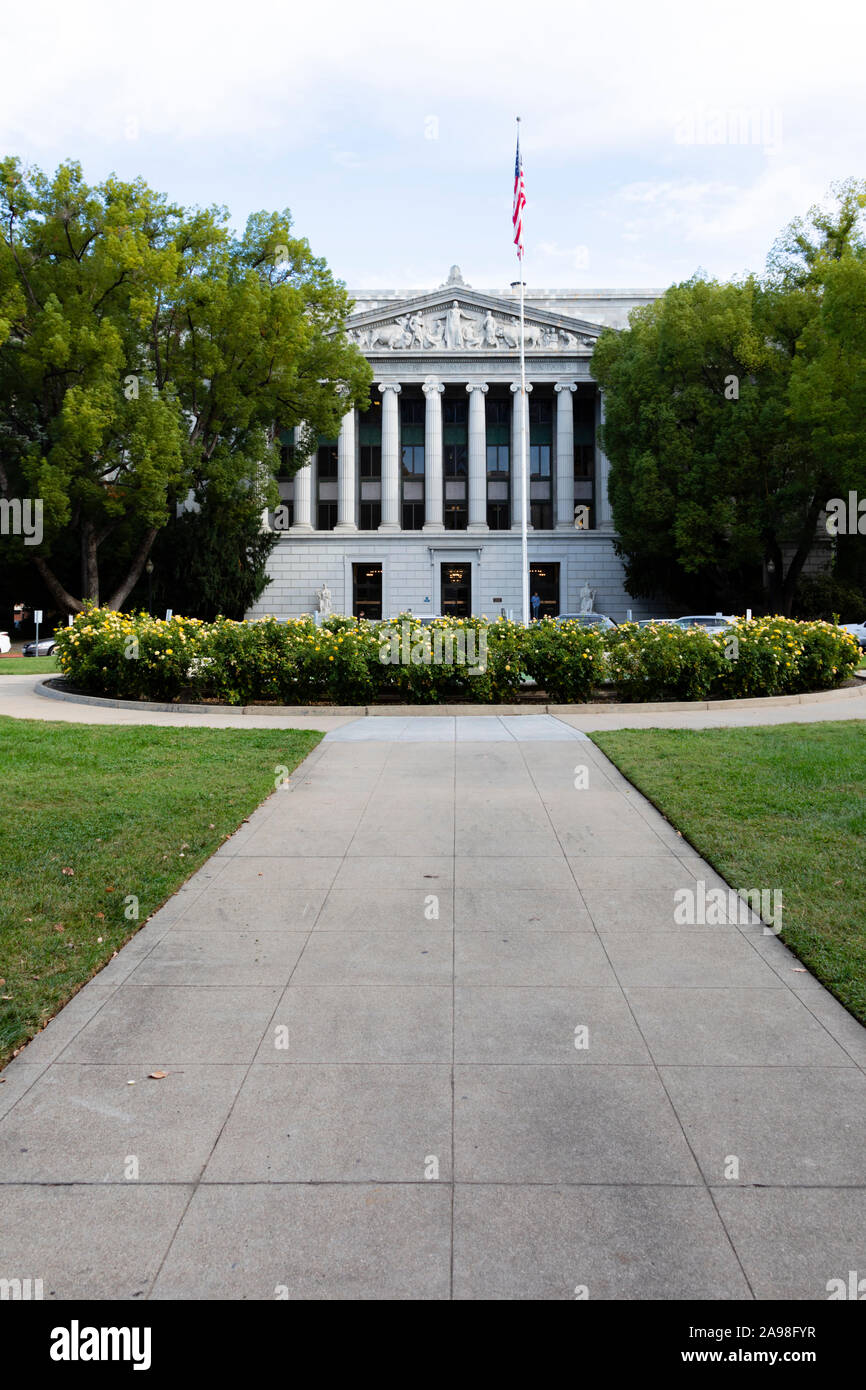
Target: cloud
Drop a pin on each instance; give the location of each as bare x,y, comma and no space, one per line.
403,120
577,257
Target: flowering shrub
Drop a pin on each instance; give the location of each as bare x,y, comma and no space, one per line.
664,662
135,656
566,660
129,655
758,657
449,659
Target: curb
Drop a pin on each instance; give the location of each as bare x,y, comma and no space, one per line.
448,711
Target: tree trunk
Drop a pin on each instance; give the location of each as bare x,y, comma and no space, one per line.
64,599
125,588
89,564
800,556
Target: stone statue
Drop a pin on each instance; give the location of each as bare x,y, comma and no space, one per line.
434,333
416,327
324,597
453,327
587,597
489,331
391,335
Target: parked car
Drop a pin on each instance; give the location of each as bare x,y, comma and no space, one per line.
857,630
5,643
655,622
588,620
45,647
713,622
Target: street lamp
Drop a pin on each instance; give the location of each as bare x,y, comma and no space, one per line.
149,571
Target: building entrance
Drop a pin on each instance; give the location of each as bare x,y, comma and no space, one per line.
456,591
544,581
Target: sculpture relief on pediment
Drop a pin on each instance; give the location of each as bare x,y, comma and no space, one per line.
453,327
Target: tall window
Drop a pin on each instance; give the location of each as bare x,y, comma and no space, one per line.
455,462
370,466
287,453
326,485
285,482
584,455
540,453
412,413
498,413
367,590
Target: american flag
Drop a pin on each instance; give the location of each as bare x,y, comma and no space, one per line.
519,202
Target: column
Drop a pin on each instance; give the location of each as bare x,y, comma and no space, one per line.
604,516
303,493
519,423
390,456
346,474
433,455
477,457
565,455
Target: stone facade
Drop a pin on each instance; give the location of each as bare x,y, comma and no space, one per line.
418,504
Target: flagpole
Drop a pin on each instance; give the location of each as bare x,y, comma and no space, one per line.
524,431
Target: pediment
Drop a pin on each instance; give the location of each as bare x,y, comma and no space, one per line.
458,319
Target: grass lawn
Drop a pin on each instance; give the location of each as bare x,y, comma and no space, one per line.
29,666
127,811
773,808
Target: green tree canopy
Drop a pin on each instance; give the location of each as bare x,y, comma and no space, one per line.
734,413
146,351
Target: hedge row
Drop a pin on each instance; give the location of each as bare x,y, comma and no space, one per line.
134,656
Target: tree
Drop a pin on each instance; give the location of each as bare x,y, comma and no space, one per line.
801,253
146,353
673,383
210,560
726,418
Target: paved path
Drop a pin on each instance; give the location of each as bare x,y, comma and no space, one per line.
430,1031
19,698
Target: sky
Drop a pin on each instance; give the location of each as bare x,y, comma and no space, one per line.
658,139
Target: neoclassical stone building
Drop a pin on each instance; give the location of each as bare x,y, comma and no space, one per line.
417,504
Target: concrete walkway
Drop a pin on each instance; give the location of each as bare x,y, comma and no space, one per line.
430,1031
21,698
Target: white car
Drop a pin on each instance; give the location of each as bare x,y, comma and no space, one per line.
712,622
857,630
588,620
5,644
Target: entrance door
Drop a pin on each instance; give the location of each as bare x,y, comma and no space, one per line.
456,591
367,591
544,581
